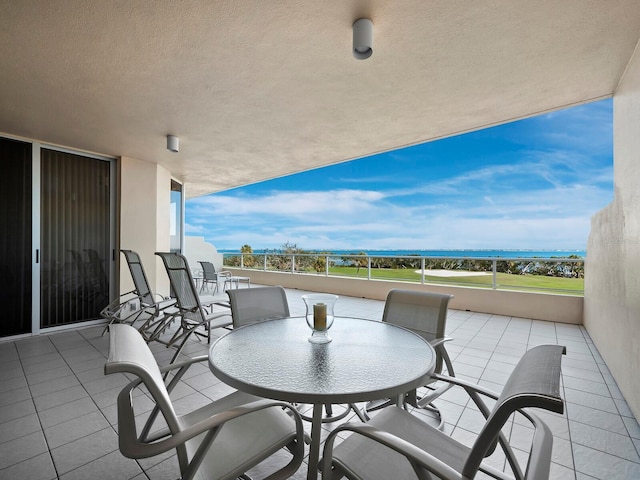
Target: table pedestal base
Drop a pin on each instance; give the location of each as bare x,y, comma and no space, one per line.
314,447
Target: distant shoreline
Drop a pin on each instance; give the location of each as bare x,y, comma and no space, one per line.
482,253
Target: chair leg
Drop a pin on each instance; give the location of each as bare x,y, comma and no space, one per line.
377,404
106,327
361,413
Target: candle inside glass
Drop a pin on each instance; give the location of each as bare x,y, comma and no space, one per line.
320,316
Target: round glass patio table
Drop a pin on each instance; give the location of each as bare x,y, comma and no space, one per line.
367,360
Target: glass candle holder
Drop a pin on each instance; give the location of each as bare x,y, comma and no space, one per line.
319,315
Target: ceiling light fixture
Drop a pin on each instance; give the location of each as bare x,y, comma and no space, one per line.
362,38
173,143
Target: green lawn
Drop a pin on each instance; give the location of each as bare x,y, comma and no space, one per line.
573,286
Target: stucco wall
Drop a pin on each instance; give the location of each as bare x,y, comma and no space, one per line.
145,191
196,249
612,281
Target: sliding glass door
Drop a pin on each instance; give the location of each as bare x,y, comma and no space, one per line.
15,237
57,240
75,237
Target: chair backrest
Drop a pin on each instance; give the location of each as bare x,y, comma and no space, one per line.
534,382
208,271
424,313
251,305
182,284
138,276
129,353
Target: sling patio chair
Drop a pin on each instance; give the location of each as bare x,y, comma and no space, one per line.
397,444
257,305
221,440
211,276
424,313
195,314
139,303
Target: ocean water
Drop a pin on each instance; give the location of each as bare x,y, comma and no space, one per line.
449,253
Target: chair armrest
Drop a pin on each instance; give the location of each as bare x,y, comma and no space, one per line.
208,300
117,306
163,298
431,395
473,390
131,447
468,386
182,367
439,341
416,456
438,344
185,363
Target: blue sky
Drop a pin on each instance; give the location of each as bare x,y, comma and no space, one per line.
531,184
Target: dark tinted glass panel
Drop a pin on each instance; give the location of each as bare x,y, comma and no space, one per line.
75,238
15,237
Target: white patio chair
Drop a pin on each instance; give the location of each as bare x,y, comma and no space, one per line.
221,440
257,304
211,276
397,444
194,318
140,303
424,313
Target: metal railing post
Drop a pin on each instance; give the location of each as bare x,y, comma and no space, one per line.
293,263
326,265
422,270
265,262
368,267
494,266
242,260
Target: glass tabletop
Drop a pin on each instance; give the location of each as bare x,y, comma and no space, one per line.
366,360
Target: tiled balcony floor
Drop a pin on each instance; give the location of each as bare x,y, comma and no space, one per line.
58,409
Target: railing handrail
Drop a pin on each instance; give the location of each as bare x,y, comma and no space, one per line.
327,256
412,257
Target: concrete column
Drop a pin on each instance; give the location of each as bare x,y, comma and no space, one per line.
145,194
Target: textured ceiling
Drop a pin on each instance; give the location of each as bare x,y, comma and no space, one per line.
257,90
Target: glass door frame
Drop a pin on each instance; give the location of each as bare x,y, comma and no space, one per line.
36,232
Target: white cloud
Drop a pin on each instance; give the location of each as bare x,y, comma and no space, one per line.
288,204
555,218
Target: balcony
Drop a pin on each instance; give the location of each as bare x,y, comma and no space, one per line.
479,69
58,410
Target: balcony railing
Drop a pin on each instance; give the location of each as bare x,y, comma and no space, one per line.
552,275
